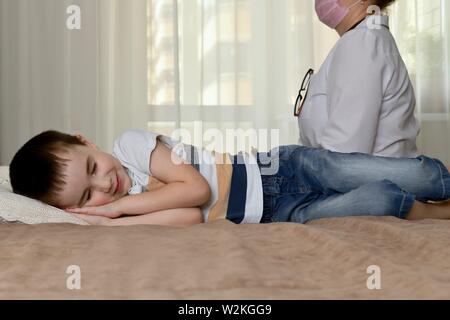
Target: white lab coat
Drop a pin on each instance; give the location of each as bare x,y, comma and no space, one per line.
362,99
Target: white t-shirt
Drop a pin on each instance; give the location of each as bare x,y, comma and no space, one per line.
241,203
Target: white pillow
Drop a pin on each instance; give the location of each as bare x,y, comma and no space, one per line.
16,208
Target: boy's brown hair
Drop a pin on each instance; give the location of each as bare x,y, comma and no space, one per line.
36,170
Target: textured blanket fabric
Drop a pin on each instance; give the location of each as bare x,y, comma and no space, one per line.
326,259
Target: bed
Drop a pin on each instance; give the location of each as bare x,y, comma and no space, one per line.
326,259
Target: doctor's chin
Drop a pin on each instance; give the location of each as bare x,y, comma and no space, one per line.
225,157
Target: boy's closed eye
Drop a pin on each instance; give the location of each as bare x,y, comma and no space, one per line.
93,170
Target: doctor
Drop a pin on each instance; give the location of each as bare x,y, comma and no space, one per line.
362,99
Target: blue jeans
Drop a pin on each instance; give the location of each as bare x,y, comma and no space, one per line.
314,184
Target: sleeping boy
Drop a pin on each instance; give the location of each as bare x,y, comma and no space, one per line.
152,179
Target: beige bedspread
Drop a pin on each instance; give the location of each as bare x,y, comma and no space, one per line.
326,259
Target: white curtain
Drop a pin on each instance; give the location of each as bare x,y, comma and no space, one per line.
422,30
240,63
91,80
194,64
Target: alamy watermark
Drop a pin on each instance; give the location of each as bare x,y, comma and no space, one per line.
374,280
73,281
247,144
73,21
374,17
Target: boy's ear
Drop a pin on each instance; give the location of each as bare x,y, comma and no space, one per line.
86,141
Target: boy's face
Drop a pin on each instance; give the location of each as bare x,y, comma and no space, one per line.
93,178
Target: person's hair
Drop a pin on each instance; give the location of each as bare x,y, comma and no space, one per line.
383,4
36,170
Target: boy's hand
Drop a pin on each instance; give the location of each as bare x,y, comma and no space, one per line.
109,210
93,220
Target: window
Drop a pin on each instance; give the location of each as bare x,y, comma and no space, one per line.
422,31
211,46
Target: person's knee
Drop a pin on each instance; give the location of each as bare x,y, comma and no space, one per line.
430,168
433,175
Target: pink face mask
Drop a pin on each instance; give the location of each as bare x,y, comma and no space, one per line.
331,12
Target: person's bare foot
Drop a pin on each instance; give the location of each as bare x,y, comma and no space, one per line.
421,211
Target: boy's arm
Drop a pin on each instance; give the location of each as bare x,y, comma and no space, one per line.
175,218
185,186
154,184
